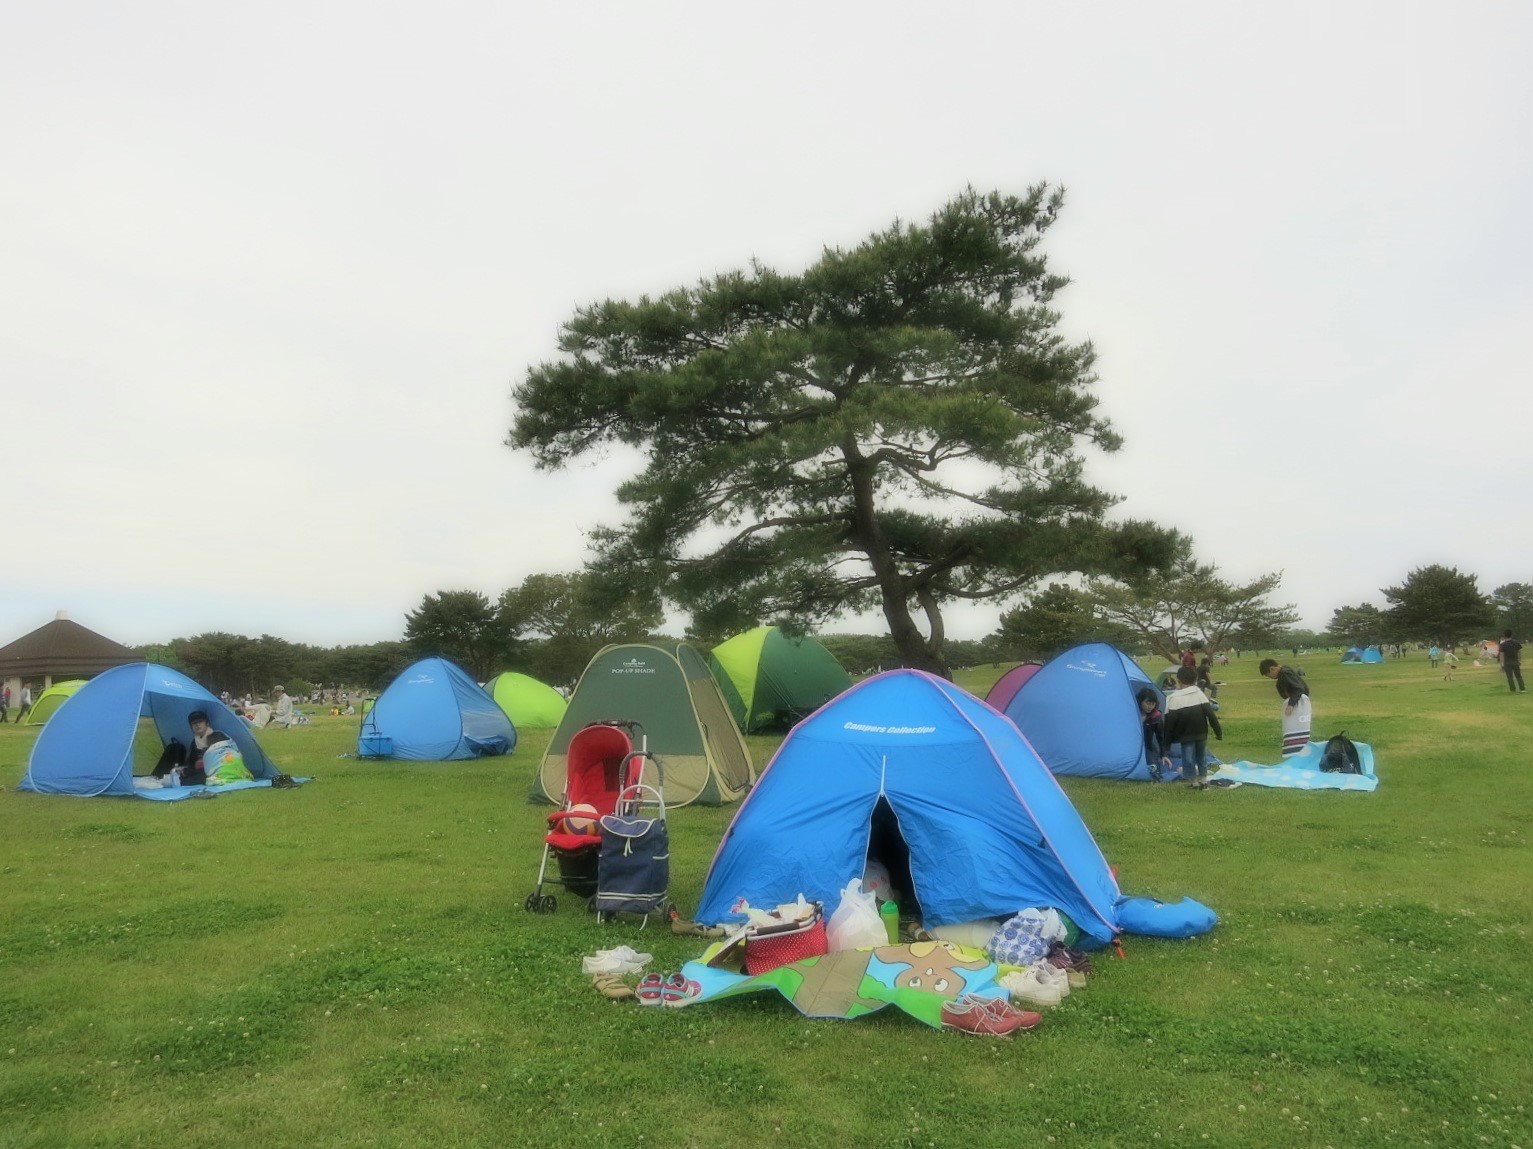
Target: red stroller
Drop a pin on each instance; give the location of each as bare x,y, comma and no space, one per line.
601,764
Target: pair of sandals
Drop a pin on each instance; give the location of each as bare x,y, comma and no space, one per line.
612,987
667,989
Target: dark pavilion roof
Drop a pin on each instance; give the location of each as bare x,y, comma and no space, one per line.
63,648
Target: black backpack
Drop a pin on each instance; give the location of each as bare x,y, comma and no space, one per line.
1341,756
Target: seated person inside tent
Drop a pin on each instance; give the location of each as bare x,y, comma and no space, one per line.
212,757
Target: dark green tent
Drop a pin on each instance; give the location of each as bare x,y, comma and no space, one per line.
771,680
668,689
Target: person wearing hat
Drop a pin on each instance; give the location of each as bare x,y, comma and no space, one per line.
188,760
281,709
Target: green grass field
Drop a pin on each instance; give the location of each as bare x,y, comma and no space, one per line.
349,964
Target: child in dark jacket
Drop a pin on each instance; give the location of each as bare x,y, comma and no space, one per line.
1154,731
1189,717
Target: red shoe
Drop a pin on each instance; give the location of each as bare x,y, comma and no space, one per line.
651,989
680,989
988,1016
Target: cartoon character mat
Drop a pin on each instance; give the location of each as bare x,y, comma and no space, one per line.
918,978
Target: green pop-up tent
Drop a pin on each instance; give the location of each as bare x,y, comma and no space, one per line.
526,701
770,679
51,699
668,691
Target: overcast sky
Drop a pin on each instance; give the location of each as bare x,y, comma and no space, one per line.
269,272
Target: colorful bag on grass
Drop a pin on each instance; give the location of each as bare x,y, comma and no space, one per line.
223,763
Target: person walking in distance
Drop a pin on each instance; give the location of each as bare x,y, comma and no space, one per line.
1509,655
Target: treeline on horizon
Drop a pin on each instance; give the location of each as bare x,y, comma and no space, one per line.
550,626
243,665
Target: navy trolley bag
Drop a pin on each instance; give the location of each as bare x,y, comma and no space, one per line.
634,868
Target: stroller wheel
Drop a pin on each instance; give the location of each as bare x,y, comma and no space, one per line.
531,904
548,904
591,907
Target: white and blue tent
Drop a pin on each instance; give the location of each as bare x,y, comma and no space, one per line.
921,775
1080,714
87,746
434,712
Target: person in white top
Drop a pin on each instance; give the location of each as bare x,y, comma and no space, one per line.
281,709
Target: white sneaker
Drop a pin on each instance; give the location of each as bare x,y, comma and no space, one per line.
1051,975
1026,988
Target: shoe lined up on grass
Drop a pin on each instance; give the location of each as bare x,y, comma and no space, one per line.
1066,958
987,1016
612,987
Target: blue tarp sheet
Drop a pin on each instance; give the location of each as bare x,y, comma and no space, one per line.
1302,771
178,793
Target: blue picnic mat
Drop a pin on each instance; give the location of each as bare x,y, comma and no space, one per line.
1302,771
178,793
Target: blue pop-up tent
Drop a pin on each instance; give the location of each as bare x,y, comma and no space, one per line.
87,747
434,712
1080,714
1373,655
938,786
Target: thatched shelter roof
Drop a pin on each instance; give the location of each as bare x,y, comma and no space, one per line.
63,649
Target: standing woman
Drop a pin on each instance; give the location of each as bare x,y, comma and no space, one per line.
1298,715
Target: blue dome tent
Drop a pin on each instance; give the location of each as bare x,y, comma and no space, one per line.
1373,656
87,747
1080,715
434,712
935,784
1352,654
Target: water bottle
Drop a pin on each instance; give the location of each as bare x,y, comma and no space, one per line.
890,913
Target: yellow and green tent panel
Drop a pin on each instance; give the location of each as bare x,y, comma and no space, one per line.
772,680
526,701
51,699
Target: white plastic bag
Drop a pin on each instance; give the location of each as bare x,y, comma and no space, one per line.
856,923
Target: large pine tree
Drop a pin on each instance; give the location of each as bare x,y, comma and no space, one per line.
896,427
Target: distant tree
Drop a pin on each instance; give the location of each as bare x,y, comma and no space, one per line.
571,617
1168,611
264,662
1441,604
462,626
161,654
862,653
965,652
1053,619
1362,625
1514,608
898,427
371,667
214,660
